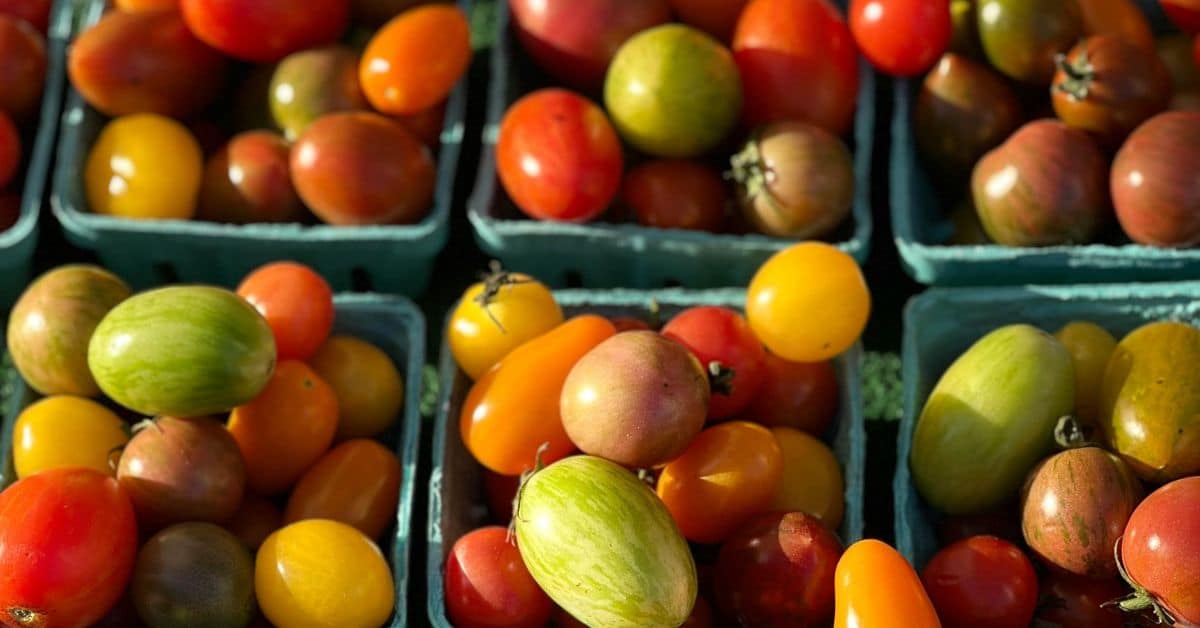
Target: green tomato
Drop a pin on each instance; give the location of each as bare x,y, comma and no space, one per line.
1022,37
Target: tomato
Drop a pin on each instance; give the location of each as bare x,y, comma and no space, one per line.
284,430
812,478
369,389
558,156
676,194
1068,601
145,5
297,303
10,149
500,491
1160,552
323,574
248,181
414,61
66,431
1156,200
1000,522
311,83
265,30
10,210
488,585
728,474
797,60
1118,18
1185,14
722,336
876,588
36,12
426,125
194,574
1022,37
67,542
629,323
1090,346
22,67
715,17
901,37
514,408
801,395
982,581
357,483
497,315
144,166
808,302
254,521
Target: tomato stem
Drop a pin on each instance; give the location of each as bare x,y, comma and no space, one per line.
1141,599
537,466
27,617
1080,76
1072,433
720,378
495,280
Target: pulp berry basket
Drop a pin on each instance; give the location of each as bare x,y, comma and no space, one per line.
382,258
608,255
395,325
942,323
456,499
922,227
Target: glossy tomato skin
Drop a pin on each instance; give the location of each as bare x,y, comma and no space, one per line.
718,334
162,169
963,110
22,67
876,587
1160,549
356,483
1154,190
1022,37
1108,86
812,478
497,315
982,582
1069,601
558,156
369,387
10,149
396,71
796,59
676,194
801,395
715,17
901,37
308,84
487,585
36,12
68,540
297,303
238,28
247,181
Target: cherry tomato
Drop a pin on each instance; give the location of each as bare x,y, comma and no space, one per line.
876,588
67,431
487,584
1160,550
1118,18
297,303
728,474
901,37
982,581
248,181
1185,14
558,156
265,30
715,17
414,61
1090,346
803,395
36,12
500,491
676,194
370,391
284,430
1070,601
808,302
797,61
254,521
68,539
144,166
22,67
720,335
357,483
497,315
812,478
10,150
133,6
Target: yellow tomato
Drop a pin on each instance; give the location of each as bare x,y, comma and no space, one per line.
1090,346
812,478
66,431
808,302
323,574
370,391
498,315
144,166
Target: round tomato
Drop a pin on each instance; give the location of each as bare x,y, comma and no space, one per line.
265,30
22,67
248,181
558,156
1090,346
323,574
284,430
982,581
808,302
36,12
297,303
797,60
802,395
901,37
497,315
10,149
369,389
812,478
1160,552
676,194
1117,18
357,483
254,521
68,539
721,339
487,585
875,587
144,166
728,474
715,17
414,61
1185,14
1069,601
133,6
66,431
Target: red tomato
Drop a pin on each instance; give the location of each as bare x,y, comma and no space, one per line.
10,149
1004,522
901,37
558,156
676,194
487,584
721,335
1161,549
983,582
36,12
68,539
715,17
797,60
265,30
1185,14
22,68
1070,601
10,210
803,395
297,303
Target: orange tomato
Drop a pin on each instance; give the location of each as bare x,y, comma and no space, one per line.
876,588
146,5
255,520
513,409
284,430
812,478
414,61
1118,18
729,473
357,483
369,389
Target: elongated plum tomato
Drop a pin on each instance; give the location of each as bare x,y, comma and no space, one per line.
875,587
514,408
357,483
487,585
68,538
413,62
722,340
558,156
1160,551
265,30
297,303
144,166
901,37
497,315
982,581
808,302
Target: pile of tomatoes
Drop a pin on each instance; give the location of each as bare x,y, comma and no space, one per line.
758,92
257,111
22,75
255,489
610,444
1044,121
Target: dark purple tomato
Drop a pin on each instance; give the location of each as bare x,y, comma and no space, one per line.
1155,189
22,68
676,194
487,584
981,582
800,395
964,109
723,342
248,181
1069,601
194,574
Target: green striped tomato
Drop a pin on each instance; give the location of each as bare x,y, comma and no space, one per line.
603,546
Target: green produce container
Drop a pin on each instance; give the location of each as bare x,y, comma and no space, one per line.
396,326
922,227
609,255
388,259
942,323
456,499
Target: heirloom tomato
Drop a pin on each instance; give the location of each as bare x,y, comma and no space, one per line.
812,478
414,61
487,585
875,587
676,194
901,37
297,303
66,431
369,389
144,166
248,181
802,395
22,67
357,483
722,341
497,315
983,582
265,30
1160,552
